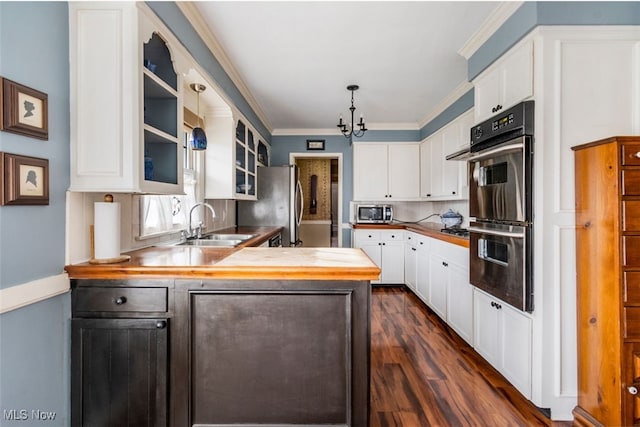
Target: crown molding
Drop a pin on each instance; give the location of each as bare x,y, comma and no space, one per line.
194,17
336,132
453,96
488,27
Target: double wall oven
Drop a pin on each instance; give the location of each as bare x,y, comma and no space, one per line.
501,200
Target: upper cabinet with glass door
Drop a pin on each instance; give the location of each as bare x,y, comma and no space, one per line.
232,159
126,100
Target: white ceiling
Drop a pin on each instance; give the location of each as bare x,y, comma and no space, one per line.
297,57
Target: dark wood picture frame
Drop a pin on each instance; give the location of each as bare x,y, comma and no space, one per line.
315,144
24,111
25,180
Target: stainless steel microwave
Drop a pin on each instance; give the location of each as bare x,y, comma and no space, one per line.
374,214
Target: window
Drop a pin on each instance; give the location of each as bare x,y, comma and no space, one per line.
168,214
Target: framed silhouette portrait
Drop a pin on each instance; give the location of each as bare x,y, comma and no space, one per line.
24,110
25,180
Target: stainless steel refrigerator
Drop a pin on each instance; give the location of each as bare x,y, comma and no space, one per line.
279,203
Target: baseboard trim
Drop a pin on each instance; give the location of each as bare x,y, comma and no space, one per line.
28,293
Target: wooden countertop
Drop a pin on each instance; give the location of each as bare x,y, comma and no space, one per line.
241,262
429,229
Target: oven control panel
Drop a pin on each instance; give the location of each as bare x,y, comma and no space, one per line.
516,121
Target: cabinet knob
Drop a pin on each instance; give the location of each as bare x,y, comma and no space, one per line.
632,390
120,300
413,249
428,195
453,192
422,243
445,264
161,324
369,235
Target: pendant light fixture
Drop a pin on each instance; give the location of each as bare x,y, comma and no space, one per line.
198,137
349,131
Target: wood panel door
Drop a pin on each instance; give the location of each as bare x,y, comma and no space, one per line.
119,372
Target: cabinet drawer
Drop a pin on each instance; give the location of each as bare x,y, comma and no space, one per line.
631,251
631,287
365,235
392,235
632,322
630,154
631,215
630,182
120,299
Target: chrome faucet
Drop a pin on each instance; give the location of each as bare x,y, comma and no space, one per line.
198,230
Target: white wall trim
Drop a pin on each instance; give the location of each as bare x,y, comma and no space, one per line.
453,96
488,27
22,295
194,17
292,161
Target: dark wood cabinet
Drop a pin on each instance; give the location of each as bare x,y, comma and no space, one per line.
119,372
120,353
220,352
607,174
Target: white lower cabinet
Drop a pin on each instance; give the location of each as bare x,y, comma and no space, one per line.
503,337
410,262
386,250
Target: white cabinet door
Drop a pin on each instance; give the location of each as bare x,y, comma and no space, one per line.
503,337
382,172
438,283
504,84
410,265
404,171
516,350
124,117
370,172
422,269
425,168
392,262
487,336
386,250
460,301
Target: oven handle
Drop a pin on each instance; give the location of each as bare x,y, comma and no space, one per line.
497,232
489,153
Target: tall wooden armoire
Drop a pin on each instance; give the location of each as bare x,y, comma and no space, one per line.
607,179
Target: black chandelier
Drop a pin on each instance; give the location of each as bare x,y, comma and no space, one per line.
350,131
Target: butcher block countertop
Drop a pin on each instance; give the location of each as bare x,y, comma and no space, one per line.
241,262
429,229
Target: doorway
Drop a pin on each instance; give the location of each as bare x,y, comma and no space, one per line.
321,180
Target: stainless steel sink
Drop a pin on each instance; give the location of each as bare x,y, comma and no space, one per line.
208,242
241,237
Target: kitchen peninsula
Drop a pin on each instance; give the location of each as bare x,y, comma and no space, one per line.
184,335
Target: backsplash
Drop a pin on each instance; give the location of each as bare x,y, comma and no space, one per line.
416,211
80,219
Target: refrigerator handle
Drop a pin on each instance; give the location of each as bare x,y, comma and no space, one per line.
301,195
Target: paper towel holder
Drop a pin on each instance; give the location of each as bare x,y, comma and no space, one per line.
108,198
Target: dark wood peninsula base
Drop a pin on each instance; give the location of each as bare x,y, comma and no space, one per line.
288,349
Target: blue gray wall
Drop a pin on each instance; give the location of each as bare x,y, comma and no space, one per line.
34,341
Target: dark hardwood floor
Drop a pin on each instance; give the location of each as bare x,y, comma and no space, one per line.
423,374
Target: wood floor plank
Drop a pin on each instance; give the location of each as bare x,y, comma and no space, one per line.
424,374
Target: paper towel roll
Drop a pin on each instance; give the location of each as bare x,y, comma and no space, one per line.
106,230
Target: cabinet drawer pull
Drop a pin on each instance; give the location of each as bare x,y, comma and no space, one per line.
120,300
413,249
445,264
161,324
632,390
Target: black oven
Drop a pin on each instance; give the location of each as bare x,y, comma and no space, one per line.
501,201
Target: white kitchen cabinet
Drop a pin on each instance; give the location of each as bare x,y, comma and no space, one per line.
411,261
385,172
232,157
505,83
502,335
442,179
423,268
438,284
386,250
460,294
126,117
